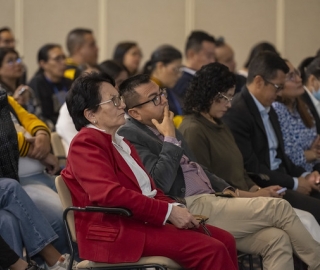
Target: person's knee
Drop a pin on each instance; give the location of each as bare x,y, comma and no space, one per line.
277,240
9,184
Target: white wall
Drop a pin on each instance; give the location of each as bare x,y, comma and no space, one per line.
292,25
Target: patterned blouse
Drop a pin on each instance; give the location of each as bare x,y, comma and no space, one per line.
296,136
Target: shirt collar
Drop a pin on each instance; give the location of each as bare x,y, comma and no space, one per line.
189,70
262,109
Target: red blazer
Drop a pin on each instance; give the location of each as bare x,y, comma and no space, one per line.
96,174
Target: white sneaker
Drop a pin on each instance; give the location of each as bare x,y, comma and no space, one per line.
63,263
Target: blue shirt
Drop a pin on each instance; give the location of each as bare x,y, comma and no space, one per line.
272,139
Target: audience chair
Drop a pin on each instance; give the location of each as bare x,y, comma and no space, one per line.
58,149
155,262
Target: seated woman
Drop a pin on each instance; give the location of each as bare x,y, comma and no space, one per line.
24,155
11,70
301,142
22,225
129,55
164,67
118,178
207,100
118,72
65,127
49,84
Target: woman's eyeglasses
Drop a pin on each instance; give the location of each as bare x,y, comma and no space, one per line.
11,62
116,101
224,98
293,75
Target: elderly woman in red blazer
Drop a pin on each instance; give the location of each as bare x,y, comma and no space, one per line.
105,170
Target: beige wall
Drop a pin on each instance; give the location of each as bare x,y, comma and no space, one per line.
291,25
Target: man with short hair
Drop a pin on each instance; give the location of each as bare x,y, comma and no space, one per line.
257,132
82,49
199,51
7,38
263,226
225,55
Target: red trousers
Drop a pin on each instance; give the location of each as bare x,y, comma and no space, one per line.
193,249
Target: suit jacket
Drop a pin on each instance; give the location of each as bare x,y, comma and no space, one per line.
162,159
97,175
312,109
247,127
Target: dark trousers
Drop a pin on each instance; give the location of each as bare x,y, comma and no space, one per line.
309,203
7,255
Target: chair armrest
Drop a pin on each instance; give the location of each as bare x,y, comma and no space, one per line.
109,210
99,209
258,176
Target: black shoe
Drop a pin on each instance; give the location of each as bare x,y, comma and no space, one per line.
32,265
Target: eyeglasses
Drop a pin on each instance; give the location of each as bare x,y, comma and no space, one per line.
11,62
116,101
278,87
58,58
156,100
225,98
293,75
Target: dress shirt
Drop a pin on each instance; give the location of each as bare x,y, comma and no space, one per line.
189,70
195,178
272,139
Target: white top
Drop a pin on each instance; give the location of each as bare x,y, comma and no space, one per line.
65,127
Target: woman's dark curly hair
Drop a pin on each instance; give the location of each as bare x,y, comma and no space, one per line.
210,80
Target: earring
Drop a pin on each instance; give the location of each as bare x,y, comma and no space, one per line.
94,122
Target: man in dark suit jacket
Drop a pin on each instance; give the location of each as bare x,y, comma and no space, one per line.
307,99
199,51
257,132
170,163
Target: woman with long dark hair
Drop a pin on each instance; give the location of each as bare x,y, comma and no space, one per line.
129,55
164,67
301,142
11,70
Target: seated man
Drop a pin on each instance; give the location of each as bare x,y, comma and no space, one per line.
265,226
24,154
257,132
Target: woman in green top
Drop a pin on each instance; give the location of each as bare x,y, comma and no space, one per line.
207,100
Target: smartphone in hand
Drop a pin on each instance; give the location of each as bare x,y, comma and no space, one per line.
281,190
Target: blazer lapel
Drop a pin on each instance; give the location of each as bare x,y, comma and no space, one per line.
253,109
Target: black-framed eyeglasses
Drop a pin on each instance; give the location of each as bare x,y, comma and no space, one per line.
278,87
156,100
115,99
224,97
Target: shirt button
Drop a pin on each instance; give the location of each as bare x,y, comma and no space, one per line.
183,190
